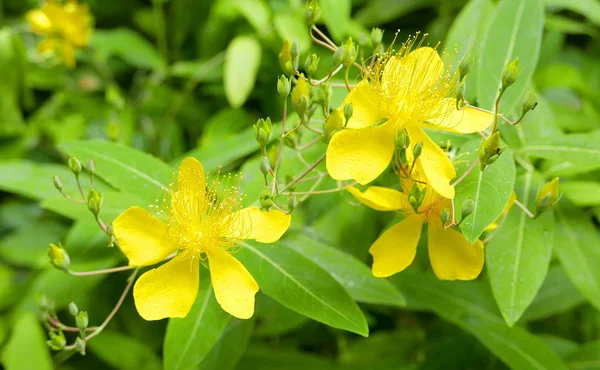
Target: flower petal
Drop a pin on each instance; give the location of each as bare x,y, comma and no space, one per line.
234,286
361,155
465,121
395,249
142,237
262,226
423,64
68,54
167,291
365,105
433,162
452,258
378,198
191,176
39,22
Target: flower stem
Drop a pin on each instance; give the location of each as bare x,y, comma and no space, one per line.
278,160
467,172
306,172
496,108
524,209
100,272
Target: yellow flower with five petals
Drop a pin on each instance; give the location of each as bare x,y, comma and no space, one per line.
409,90
202,222
66,27
451,256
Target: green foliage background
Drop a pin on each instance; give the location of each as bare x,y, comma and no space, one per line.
174,78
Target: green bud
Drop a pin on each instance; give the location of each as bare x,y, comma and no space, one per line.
312,12
376,36
511,74
547,196
57,183
490,150
80,346
301,96
417,150
334,123
288,180
444,216
73,310
465,65
57,340
401,141
265,165
285,58
266,203
362,39
339,56
91,166
311,64
323,95
284,85
75,165
42,302
529,102
59,257
295,50
291,204
467,208
348,110
82,320
262,131
460,93
351,52
302,105
413,203
94,201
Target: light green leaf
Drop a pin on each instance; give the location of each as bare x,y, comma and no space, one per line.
515,32
27,347
127,169
301,285
113,204
129,46
336,16
582,193
586,358
28,246
257,12
354,275
466,35
556,295
242,60
226,353
518,256
378,12
123,352
490,189
576,246
469,305
572,154
189,340
291,26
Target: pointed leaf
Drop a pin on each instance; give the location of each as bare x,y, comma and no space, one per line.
242,60
27,347
231,346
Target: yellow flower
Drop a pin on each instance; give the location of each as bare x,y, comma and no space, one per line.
66,27
451,256
202,223
409,90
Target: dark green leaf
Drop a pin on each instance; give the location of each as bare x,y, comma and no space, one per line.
586,358
231,346
27,348
129,46
123,352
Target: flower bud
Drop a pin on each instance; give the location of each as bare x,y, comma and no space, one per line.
529,102
401,141
57,340
465,65
301,96
376,36
59,257
413,203
82,320
547,196
334,123
417,149
323,95
285,59
351,52
511,74
291,202
311,64
339,56
73,310
490,150
416,197
265,165
94,201
284,85
91,166
444,216
460,93
75,165
80,345
312,12
348,110
262,131
57,183
295,50
467,208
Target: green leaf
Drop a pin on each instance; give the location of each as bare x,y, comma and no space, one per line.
299,284
27,347
466,35
490,189
582,193
123,352
354,275
189,340
129,46
586,358
265,358
242,60
28,246
378,12
127,169
256,12
226,353
274,319
515,32
587,8
291,26
34,180
518,256
469,305
576,246
113,204
556,295
572,154
336,16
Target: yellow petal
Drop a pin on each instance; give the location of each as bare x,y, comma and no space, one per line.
464,121
378,198
234,286
452,258
191,176
187,200
511,201
142,237
395,249
424,65
365,105
68,54
433,163
167,291
39,22
262,226
361,155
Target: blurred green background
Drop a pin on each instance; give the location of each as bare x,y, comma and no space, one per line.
153,79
